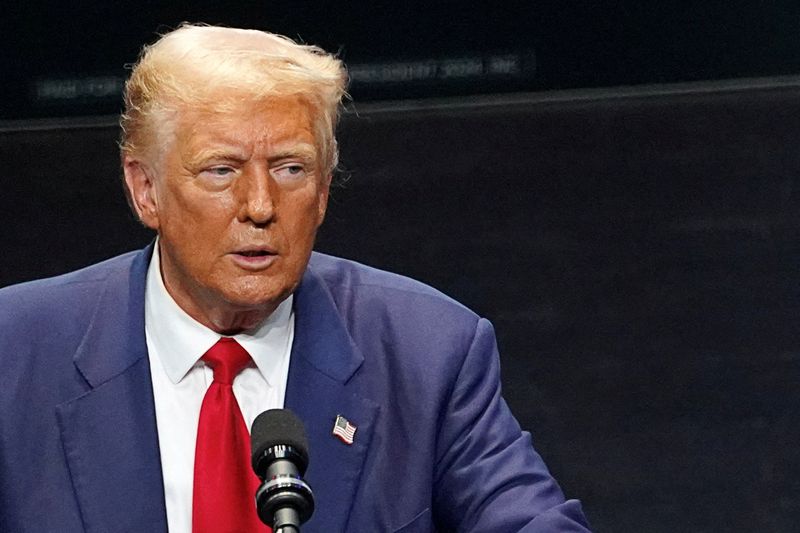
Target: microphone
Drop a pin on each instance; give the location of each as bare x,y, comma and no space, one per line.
280,457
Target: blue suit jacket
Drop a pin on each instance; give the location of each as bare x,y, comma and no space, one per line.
436,447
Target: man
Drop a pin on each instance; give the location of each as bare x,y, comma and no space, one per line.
114,415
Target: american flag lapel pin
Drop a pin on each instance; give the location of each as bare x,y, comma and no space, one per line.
344,430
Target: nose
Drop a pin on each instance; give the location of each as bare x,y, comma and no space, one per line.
257,198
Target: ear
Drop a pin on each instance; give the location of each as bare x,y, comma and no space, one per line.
322,206
140,181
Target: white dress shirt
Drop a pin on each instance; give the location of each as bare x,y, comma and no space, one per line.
175,343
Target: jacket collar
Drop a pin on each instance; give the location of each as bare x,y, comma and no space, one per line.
323,383
109,433
114,340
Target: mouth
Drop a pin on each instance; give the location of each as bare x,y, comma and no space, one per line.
254,258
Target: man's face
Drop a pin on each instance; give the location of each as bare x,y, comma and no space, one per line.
236,199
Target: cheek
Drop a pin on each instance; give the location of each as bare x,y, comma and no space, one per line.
306,221
199,217
301,206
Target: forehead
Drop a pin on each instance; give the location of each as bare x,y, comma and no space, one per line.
273,120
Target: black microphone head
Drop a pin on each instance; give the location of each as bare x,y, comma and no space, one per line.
278,433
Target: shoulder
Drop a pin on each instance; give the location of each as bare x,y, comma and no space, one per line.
352,283
46,302
398,311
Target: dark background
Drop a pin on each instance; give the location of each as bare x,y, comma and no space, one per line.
626,213
560,44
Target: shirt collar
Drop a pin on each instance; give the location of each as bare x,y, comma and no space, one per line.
182,341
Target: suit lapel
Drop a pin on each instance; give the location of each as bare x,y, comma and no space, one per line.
319,388
109,434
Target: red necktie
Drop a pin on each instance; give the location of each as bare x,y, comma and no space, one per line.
224,483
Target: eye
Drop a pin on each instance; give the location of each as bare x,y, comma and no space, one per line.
221,171
218,172
289,172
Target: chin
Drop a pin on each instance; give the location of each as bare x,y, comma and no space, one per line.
243,310
253,297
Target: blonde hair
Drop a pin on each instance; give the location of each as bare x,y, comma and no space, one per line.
194,64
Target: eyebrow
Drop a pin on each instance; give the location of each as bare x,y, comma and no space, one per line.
219,153
304,150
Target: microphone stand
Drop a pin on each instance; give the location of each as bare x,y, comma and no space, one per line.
286,521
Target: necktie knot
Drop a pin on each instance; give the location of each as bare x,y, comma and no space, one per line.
226,358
